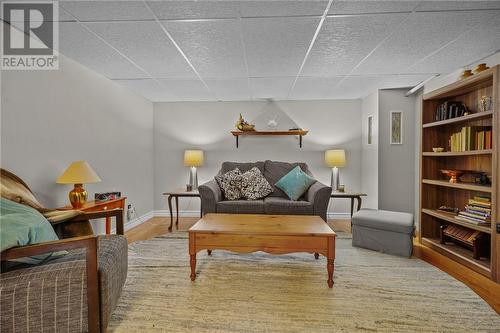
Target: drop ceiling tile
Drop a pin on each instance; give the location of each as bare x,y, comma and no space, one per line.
107,10
78,44
188,90
313,87
271,87
277,46
147,45
419,36
344,41
230,89
282,8
457,5
149,89
367,7
213,47
470,47
194,9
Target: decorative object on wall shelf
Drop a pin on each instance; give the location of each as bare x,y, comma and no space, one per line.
438,149
480,68
471,239
450,110
466,73
335,159
300,133
396,127
243,125
78,173
454,175
193,159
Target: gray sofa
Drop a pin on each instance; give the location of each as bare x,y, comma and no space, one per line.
314,201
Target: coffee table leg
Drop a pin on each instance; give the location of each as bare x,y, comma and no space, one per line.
171,213
193,266
316,255
209,252
330,267
177,212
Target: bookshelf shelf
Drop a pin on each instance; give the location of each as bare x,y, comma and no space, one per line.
450,217
462,186
458,153
435,192
474,116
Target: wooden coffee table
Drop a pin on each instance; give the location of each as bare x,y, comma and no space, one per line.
275,234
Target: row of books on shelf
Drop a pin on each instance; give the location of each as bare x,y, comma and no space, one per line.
450,109
476,212
471,138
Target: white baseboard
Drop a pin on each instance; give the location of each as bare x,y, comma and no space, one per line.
135,222
338,216
196,213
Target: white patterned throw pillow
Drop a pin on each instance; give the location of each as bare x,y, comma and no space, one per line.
254,186
230,184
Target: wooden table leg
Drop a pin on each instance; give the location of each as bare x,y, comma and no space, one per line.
108,225
330,259
316,255
209,252
169,199
177,211
193,266
330,268
359,202
352,206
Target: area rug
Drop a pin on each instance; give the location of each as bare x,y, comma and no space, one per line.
258,292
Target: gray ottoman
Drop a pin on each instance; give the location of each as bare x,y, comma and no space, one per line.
383,231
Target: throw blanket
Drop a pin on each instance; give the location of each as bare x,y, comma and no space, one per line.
13,188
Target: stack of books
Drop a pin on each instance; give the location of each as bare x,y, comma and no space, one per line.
471,138
477,212
450,109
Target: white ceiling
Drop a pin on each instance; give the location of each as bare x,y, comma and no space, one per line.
244,50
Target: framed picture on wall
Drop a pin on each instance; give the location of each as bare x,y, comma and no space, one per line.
370,129
396,127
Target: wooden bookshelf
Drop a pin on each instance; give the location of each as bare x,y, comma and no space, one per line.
436,190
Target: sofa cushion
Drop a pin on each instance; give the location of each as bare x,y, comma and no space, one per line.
241,207
230,184
274,171
254,186
384,220
295,183
273,205
244,167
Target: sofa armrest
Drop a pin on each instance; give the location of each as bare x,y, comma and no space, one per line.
87,242
319,195
210,194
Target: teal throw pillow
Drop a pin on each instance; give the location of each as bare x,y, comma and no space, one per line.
22,225
295,183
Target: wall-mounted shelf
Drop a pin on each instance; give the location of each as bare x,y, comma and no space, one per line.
299,133
474,116
458,153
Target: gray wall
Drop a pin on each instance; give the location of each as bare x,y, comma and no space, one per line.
206,126
51,118
369,160
397,164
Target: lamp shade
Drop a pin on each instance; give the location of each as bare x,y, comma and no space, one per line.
79,172
193,158
335,158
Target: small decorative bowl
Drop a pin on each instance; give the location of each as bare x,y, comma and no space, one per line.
454,175
480,68
466,74
438,149
248,127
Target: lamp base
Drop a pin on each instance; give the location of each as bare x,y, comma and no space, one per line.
193,178
78,196
335,182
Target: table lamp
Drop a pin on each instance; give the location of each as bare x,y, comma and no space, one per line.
78,173
335,159
193,159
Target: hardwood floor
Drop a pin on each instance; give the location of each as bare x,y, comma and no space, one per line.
484,287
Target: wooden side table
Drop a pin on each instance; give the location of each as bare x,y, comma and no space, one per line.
97,206
177,193
352,196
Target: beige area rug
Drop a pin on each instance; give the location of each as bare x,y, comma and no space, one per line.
259,292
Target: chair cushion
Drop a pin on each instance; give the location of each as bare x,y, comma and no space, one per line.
295,183
274,171
384,220
23,225
273,205
241,207
230,184
254,186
